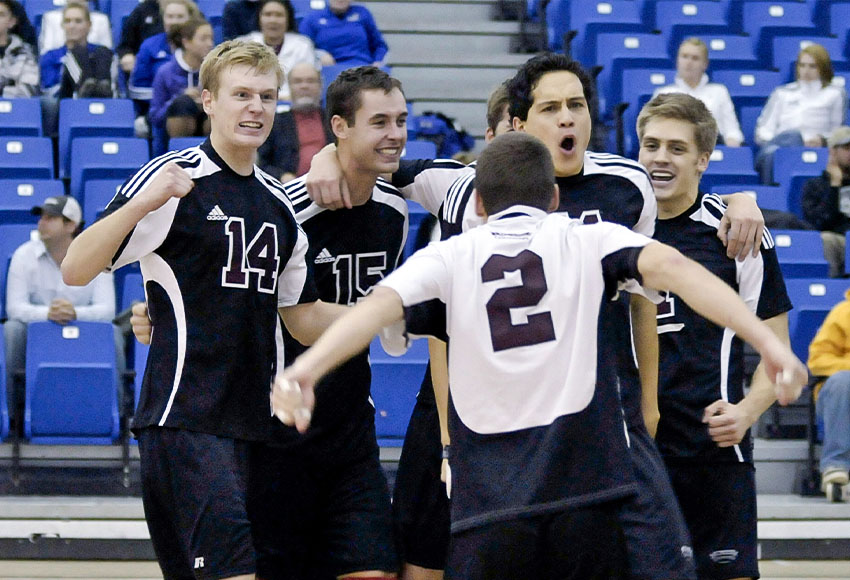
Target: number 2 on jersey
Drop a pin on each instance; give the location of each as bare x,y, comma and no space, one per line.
504,334
260,256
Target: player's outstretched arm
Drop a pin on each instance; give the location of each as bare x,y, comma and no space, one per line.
728,422
306,322
664,268
742,227
92,251
645,334
346,337
325,181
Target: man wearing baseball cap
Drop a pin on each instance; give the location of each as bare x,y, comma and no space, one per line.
34,287
826,200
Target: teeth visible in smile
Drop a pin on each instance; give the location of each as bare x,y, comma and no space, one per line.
389,151
251,124
661,175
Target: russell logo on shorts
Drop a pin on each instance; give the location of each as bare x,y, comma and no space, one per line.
199,563
724,556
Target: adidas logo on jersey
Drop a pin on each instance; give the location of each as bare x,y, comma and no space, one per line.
216,214
324,257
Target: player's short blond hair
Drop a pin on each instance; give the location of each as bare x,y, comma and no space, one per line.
232,53
681,107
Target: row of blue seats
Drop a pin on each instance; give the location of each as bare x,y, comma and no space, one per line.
72,384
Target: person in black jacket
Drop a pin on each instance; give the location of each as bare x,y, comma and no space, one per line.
826,200
145,20
299,132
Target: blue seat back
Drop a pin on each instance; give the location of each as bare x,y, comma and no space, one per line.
105,158
20,117
730,51
787,48
26,158
71,384
767,196
592,17
419,149
97,193
748,87
792,166
763,21
730,165
180,143
620,50
19,196
4,404
680,20
800,254
395,383
812,298
11,236
91,118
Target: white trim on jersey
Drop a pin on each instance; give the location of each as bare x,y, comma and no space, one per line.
454,197
148,235
430,186
155,269
725,359
149,170
608,164
400,205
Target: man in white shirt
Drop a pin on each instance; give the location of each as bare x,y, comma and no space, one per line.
691,64
34,287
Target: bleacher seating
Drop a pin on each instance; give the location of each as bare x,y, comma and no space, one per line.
4,405
641,83
395,382
119,10
787,48
730,165
618,51
97,193
730,51
140,360
679,20
105,158
767,196
800,254
132,290
748,87
839,23
812,298
11,236
419,149
91,118
765,20
26,158
71,384
792,166
20,117
179,143
18,197
748,117
590,18
213,10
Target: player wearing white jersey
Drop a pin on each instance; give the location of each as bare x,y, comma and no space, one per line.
540,460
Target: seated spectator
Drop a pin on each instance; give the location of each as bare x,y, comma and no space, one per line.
801,113
829,356
155,51
23,28
277,31
18,64
826,200
78,69
239,18
345,34
176,109
691,79
52,33
300,132
143,22
34,287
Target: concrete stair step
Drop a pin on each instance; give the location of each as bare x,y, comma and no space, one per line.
450,83
400,14
442,46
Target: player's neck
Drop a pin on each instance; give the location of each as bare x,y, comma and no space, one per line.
676,205
239,158
361,181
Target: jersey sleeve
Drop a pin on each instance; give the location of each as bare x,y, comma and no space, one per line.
649,213
619,249
760,282
424,276
426,181
295,284
457,207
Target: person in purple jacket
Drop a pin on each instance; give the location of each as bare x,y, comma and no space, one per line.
176,109
345,34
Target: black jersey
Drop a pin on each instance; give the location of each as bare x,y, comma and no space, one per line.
535,423
350,250
609,188
701,362
217,264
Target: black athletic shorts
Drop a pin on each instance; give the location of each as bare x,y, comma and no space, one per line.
719,504
319,514
657,540
194,490
583,543
420,505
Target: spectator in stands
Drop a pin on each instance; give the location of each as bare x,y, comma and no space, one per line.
277,31
176,109
829,356
800,113
34,288
691,79
18,64
345,34
143,22
300,132
154,52
826,200
239,18
52,33
23,28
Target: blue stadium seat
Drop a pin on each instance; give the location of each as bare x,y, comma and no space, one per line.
748,87
641,83
419,149
20,117
416,215
11,236
730,51
748,117
592,17
105,158
19,196
133,290
71,384
812,298
730,165
839,23
213,10
678,20
395,383
4,405
800,254
26,158
179,143
140,360
302,7
792,166
766,20
97,193
91,118
767,196
786,49
618,51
